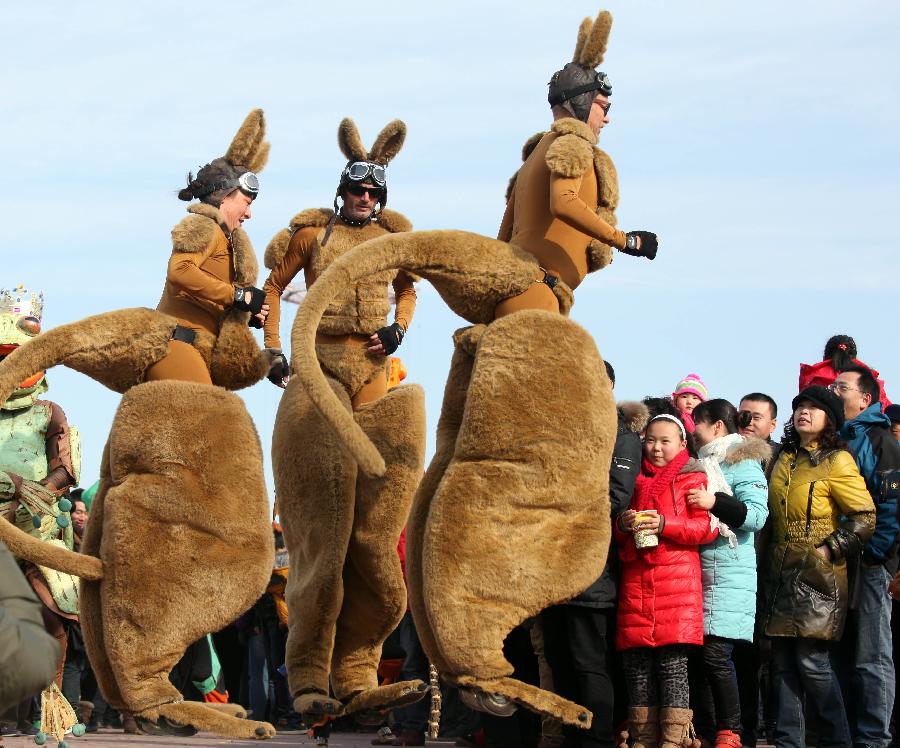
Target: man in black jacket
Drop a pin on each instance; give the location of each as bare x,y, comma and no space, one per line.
578,634
27,652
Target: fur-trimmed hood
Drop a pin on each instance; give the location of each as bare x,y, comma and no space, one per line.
693,465
752,448
633,415
390,220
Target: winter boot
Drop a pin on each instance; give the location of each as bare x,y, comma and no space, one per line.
675,728
643,726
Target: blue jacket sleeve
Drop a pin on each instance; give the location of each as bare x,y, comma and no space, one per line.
887,476
749,486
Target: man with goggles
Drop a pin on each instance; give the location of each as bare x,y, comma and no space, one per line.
324,502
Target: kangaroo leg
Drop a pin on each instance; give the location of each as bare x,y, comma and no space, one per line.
90,599
315,481
186,532
465,340
520,519
375,594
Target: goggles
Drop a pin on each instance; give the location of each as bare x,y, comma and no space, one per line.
248,183
599,83
360,171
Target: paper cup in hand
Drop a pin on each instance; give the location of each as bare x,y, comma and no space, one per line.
645,538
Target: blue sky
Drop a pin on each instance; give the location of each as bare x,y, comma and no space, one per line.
758,140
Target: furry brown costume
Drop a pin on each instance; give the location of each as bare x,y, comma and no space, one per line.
179,542
345,589
504,522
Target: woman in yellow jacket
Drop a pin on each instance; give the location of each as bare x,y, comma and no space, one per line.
821,516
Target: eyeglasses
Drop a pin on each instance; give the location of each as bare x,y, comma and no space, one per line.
839,387
605,107
359,190
360,171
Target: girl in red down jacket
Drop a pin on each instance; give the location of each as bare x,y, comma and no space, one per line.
661,594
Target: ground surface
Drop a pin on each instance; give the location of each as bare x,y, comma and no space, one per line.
114,738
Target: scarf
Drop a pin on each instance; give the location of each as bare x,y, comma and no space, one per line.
653,480
712,456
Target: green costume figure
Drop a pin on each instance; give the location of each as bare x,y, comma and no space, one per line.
39,460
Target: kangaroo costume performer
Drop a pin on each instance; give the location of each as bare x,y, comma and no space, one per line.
345,589
172,520
40,457
505,521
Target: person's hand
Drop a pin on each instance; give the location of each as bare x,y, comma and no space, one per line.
641,244
626,520
698,497
261,316
387,340
279,370
375,345
824,551
894,587
649,521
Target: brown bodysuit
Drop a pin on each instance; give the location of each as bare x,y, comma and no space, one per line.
199,291
552,212
346,329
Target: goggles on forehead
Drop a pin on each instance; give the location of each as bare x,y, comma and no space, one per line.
360,171
248,183
599,83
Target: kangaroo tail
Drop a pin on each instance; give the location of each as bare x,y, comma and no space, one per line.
113,348
37,551
472,273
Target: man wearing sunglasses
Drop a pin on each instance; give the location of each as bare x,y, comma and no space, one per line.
341,527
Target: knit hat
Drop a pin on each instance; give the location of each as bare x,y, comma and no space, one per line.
825,399
691,384
893,412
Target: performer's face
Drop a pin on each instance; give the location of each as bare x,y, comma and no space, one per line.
235,209
360,200
599,116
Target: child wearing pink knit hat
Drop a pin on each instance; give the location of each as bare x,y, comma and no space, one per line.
688,394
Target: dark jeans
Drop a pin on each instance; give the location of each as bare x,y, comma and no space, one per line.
718,665
413,718
804,668
577,647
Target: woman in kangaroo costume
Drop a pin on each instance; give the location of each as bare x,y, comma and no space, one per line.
172,520
505,521
345,588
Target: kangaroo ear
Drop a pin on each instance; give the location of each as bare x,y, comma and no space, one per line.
349,141
594,47
248,148
389,142
583,31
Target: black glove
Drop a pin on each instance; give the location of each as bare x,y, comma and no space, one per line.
648,244
254,305
391,337
279,370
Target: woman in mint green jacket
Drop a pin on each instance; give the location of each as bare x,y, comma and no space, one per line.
737,500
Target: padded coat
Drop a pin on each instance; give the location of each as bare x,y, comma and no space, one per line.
729,574
660,595
816,497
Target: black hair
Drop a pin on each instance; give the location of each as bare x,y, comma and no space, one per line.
658,406
828,439
610,372
867,381
215,172
762,397
719,409
840,350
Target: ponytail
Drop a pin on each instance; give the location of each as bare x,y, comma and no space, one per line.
840,350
